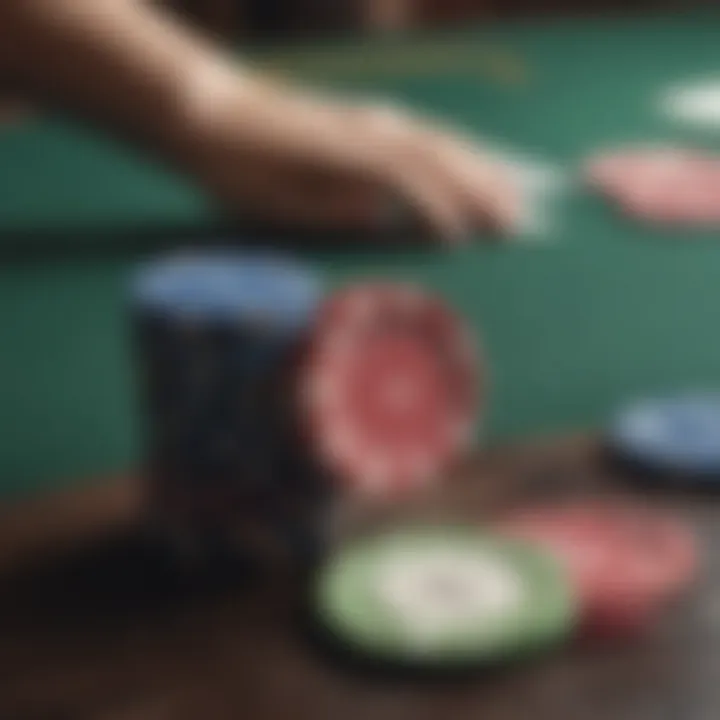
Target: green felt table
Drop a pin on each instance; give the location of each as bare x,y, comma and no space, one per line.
598,311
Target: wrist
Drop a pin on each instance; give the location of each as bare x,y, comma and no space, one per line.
215,104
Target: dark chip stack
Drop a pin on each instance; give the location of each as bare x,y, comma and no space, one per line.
218,334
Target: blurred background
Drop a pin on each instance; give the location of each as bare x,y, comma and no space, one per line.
278,19
107,631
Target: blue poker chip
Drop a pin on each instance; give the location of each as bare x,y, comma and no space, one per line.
225,285
671,435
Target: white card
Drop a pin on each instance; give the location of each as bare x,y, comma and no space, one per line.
541,184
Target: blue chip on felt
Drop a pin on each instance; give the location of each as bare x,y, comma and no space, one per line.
678,435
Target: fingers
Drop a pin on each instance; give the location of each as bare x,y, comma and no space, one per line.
298,158
490,193
449,183
404,170
433,202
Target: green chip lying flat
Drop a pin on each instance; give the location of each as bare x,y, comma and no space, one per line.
443,596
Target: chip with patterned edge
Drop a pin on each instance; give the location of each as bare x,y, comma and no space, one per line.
390,388
441,597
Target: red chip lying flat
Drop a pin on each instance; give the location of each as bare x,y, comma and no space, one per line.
628,564
389,388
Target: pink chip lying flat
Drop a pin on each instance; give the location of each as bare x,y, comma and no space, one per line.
660,185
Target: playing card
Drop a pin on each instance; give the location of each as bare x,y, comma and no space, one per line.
541,185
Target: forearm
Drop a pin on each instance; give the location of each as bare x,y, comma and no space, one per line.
121,62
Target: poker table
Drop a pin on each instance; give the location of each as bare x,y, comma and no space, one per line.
574,323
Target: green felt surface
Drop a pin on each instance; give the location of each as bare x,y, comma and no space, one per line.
599,311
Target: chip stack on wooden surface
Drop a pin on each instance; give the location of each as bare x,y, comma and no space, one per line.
268,401
216,333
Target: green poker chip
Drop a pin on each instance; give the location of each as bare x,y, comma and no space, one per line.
441,597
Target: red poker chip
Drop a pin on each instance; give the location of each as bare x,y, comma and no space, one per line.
389,389
628,564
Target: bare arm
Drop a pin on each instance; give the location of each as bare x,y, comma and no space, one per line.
276,152
121,62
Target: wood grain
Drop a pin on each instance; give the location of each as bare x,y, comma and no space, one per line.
108,630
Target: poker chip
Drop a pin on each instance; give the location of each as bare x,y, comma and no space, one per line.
654,169
390,388
670,437
442,597
216,333
227,286
698,199
264,398
662,185
645,164
693,103
627,564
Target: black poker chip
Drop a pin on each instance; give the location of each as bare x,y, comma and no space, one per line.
217,334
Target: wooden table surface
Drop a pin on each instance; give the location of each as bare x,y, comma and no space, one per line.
96,626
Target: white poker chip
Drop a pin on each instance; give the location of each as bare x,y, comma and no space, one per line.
443,590
697,103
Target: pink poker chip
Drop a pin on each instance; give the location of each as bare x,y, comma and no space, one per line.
604,171
661,185
652,168
697,199
390,389
643,202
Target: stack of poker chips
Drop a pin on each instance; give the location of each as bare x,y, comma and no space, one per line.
270,406
217,334
392,383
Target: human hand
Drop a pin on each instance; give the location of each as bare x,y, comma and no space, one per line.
300,158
